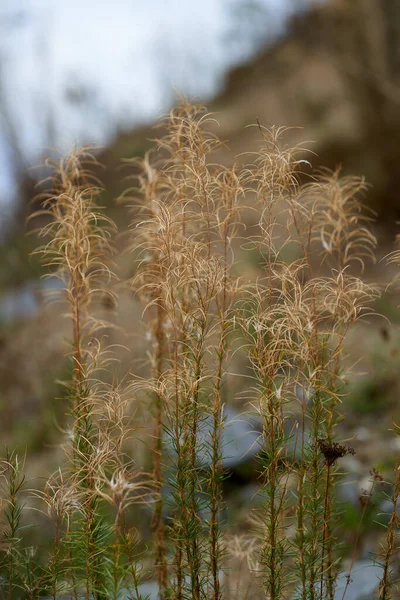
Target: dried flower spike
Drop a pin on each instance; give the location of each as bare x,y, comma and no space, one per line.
332,451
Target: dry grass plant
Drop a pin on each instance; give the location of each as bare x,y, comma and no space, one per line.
289,327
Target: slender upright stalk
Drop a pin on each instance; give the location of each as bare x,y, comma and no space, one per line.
158,524
386,583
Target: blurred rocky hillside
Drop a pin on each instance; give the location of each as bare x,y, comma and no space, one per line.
335,79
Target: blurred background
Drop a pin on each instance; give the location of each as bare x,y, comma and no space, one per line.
103,72
90,70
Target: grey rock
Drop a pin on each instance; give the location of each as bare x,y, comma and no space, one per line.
385,510
149,590
25,301
363,434
364,581
349,490
240,440
240,443
18,303
386,507
354,486
350,464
